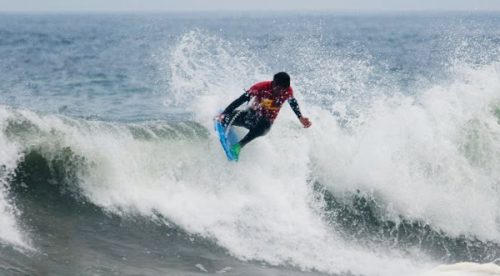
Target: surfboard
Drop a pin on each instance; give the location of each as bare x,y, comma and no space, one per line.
227,138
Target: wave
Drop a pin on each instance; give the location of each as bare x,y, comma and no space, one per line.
380,187
431,157
108,165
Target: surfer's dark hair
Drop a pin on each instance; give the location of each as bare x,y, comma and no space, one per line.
282,79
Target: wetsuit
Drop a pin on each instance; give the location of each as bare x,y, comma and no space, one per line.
263,110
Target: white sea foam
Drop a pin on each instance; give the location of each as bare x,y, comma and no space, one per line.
261,208
10,232
465,269
433,157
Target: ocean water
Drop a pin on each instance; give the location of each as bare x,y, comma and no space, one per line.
109,164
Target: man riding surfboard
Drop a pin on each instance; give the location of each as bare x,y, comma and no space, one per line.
266,98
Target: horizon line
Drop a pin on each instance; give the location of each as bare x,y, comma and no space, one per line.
214,11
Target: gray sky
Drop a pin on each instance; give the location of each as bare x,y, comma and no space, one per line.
221,5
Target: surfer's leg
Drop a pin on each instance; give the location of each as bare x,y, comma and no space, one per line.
260,129
235,118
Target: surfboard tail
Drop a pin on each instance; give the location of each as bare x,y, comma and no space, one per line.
227,141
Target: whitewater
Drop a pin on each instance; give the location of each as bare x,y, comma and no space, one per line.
109,163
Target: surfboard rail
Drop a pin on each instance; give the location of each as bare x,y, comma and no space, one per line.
227,138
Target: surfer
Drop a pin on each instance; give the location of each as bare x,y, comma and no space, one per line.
266,98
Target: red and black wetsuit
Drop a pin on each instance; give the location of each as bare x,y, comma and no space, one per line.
264,109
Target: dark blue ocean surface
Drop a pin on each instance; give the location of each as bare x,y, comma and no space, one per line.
116,66
109,164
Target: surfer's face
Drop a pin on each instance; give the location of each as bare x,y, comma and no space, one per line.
278,90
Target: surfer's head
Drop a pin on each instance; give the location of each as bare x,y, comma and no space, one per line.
281,79
281,82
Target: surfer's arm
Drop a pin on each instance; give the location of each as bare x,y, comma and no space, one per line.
236,103
295,107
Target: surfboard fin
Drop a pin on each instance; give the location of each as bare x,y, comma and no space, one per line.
235,151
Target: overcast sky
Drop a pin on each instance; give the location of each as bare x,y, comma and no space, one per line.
221,5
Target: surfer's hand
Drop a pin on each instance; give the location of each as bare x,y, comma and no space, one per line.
220,117
305,122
